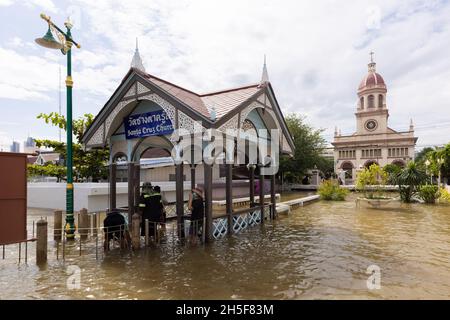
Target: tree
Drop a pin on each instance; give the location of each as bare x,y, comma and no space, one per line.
444,154
48,169
409,181
87,164
308,145
326,165
423,155
392,170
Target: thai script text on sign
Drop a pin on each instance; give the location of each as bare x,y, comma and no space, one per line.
155,123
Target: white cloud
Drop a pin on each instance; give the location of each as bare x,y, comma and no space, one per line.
316,51
25,76
47,5
6,2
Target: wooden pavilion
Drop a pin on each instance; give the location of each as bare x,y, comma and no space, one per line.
244,108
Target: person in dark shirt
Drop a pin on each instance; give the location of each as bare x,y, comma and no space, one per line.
156,210
144,205
197,207
115,229
163,216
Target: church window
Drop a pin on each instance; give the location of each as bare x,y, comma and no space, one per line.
361,102
380,101
371,101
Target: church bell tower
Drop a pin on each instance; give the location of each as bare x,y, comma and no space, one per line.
372,113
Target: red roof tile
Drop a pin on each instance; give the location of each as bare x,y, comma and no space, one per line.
223,101
370,80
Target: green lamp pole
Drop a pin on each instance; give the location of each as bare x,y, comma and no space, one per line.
65,45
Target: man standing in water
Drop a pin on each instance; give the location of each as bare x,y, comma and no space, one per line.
159,196
197,207
157,215
144,205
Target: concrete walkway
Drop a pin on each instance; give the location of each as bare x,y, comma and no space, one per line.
286,206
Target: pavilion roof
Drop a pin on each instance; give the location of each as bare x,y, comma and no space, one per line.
222,101
213,109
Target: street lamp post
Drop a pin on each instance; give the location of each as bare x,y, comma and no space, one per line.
65,45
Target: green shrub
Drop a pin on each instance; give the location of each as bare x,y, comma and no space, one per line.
392,171
444,196
330,190
429,193
409,181
370,181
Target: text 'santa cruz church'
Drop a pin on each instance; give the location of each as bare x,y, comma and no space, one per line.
374,141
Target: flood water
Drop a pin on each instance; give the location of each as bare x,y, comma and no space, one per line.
320,251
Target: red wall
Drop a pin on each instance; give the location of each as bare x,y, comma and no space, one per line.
13,197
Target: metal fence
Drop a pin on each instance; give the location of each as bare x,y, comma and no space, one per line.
94,239
99,240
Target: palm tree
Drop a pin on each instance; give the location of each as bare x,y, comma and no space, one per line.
409,181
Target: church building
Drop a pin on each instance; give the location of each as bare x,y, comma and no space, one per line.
374,141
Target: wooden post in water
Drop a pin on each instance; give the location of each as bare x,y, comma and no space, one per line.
95,224
147,232
207,169
136,240
252,184
57,225
192,176
179,196
137,183
130,191
261,193
41,244
273,204
112,186
83,224
229,197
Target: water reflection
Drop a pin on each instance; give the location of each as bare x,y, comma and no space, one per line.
320,251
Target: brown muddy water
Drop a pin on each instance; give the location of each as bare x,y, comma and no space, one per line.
320,251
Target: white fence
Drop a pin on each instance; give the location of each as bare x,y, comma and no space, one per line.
92,196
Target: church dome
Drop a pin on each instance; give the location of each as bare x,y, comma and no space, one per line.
372,79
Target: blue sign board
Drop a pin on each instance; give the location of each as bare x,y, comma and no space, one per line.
155,123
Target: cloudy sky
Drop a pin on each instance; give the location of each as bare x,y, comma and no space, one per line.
317,53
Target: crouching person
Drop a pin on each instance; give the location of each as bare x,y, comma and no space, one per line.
116,229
